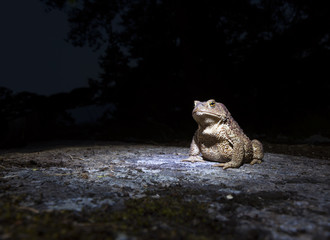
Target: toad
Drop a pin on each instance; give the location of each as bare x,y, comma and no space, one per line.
219,138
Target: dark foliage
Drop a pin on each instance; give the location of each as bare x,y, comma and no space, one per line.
29,117
266,60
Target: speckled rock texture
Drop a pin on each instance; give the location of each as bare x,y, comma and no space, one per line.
285,197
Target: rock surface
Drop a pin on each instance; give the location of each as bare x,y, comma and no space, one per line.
285,197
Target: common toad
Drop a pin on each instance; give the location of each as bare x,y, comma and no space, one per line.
219,138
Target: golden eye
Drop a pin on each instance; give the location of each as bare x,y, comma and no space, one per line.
212,104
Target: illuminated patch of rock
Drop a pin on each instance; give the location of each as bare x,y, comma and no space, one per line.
287,197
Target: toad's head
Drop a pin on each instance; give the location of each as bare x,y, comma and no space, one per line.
210,112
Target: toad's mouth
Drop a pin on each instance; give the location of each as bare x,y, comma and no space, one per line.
199,113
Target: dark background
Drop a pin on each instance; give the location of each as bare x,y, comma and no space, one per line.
267,61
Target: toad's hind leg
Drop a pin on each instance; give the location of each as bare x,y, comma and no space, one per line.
258,152
237,157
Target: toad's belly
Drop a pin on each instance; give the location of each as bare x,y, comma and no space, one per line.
219,152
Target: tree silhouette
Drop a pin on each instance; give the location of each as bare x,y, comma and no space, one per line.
261,57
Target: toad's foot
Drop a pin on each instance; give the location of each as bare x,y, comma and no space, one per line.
255,161
227,165
194,159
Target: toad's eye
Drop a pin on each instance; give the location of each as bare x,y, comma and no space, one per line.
212,104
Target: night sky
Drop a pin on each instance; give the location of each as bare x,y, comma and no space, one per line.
34,54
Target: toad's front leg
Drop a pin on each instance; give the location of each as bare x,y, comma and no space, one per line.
236,159
194,152
193,159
